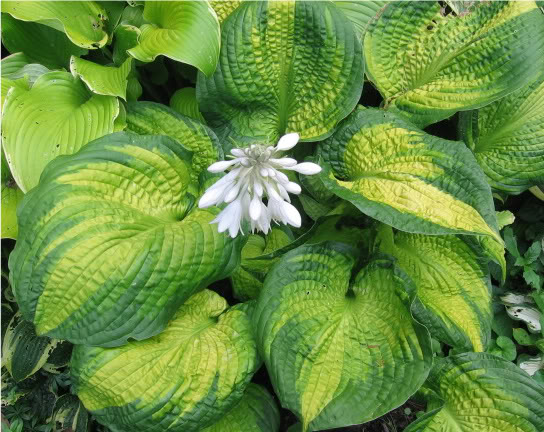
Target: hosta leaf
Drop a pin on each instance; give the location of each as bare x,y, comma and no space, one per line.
284,67
182,380
184,102
57,116
362,13
11,197
340,348
70,414
482,392
24,353
126,37
398,174
31,38
453,288
507,138
82,21
184,31
110,244
154,118
256,412
223,8
103,80
430,66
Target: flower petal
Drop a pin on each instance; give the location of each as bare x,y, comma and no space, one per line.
307,168
287,142
211,197
290,214
293,187
221,166
255,208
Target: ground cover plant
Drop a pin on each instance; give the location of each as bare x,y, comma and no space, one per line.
272,216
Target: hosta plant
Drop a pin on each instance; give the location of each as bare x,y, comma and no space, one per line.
273,215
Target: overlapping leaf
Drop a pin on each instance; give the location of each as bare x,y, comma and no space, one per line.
482,392
186,31
103,80
362,13
58,115
82,21
184,102
283,67
408,179
430,65
182,380
110,244
340,348
507,138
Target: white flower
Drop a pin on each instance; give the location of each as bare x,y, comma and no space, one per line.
256,173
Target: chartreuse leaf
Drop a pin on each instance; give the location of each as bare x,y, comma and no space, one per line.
69,413
482,392
186,31
284,67
82,21
256,412
398,174
35,40
184,102
11,196
453,288
126,37
58,115
507,138
24,353
430,66
182,380
223,8
340,346
111,244
154,118
103,80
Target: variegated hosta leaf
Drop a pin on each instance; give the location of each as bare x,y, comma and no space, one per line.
110,243
453,288
186,31
69,414
223,8
82,21
430,66
340,349
58,115
507,138
103,80
482,392
182,380
23,352
362,13
292,66
157,119
406,178
31,38
256,412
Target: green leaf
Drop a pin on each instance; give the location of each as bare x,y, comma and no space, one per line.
58,115
154,118
126,37
111,243
103,80
256,412
482,392
453,287
533,252
184,31
399,175
505,218
184,379
70,414
313,208
284,67
223,8
503,347
523,338
82,21
362,13
430,66
184,102
31,38
11,197
23,352
340,346
507,138
532,278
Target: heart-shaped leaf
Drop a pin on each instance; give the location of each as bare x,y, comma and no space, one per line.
103,80
413,181
58,115
182,380
82,21
31,38
284,67
110,243
186,31
430,65
482,392
507,138
184,102
340,346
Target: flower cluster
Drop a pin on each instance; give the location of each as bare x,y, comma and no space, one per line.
255,173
